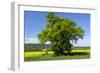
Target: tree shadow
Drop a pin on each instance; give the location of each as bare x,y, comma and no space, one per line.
77,53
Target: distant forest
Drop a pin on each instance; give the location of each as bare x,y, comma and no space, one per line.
39,47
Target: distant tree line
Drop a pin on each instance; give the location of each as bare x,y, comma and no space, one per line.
36,47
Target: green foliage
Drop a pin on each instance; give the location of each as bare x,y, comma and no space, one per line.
61,33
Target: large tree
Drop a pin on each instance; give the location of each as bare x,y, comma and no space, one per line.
61,33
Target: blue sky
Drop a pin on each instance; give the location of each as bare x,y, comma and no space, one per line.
35,22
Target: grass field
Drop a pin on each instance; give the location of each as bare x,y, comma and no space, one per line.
41,56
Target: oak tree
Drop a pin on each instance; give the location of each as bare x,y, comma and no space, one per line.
61,32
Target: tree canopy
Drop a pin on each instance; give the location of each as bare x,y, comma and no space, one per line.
61,32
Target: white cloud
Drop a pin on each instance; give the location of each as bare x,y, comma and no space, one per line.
83,42
48,42
34,40
31,40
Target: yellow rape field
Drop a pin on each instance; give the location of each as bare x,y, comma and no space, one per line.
81,50
35,53
39,53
